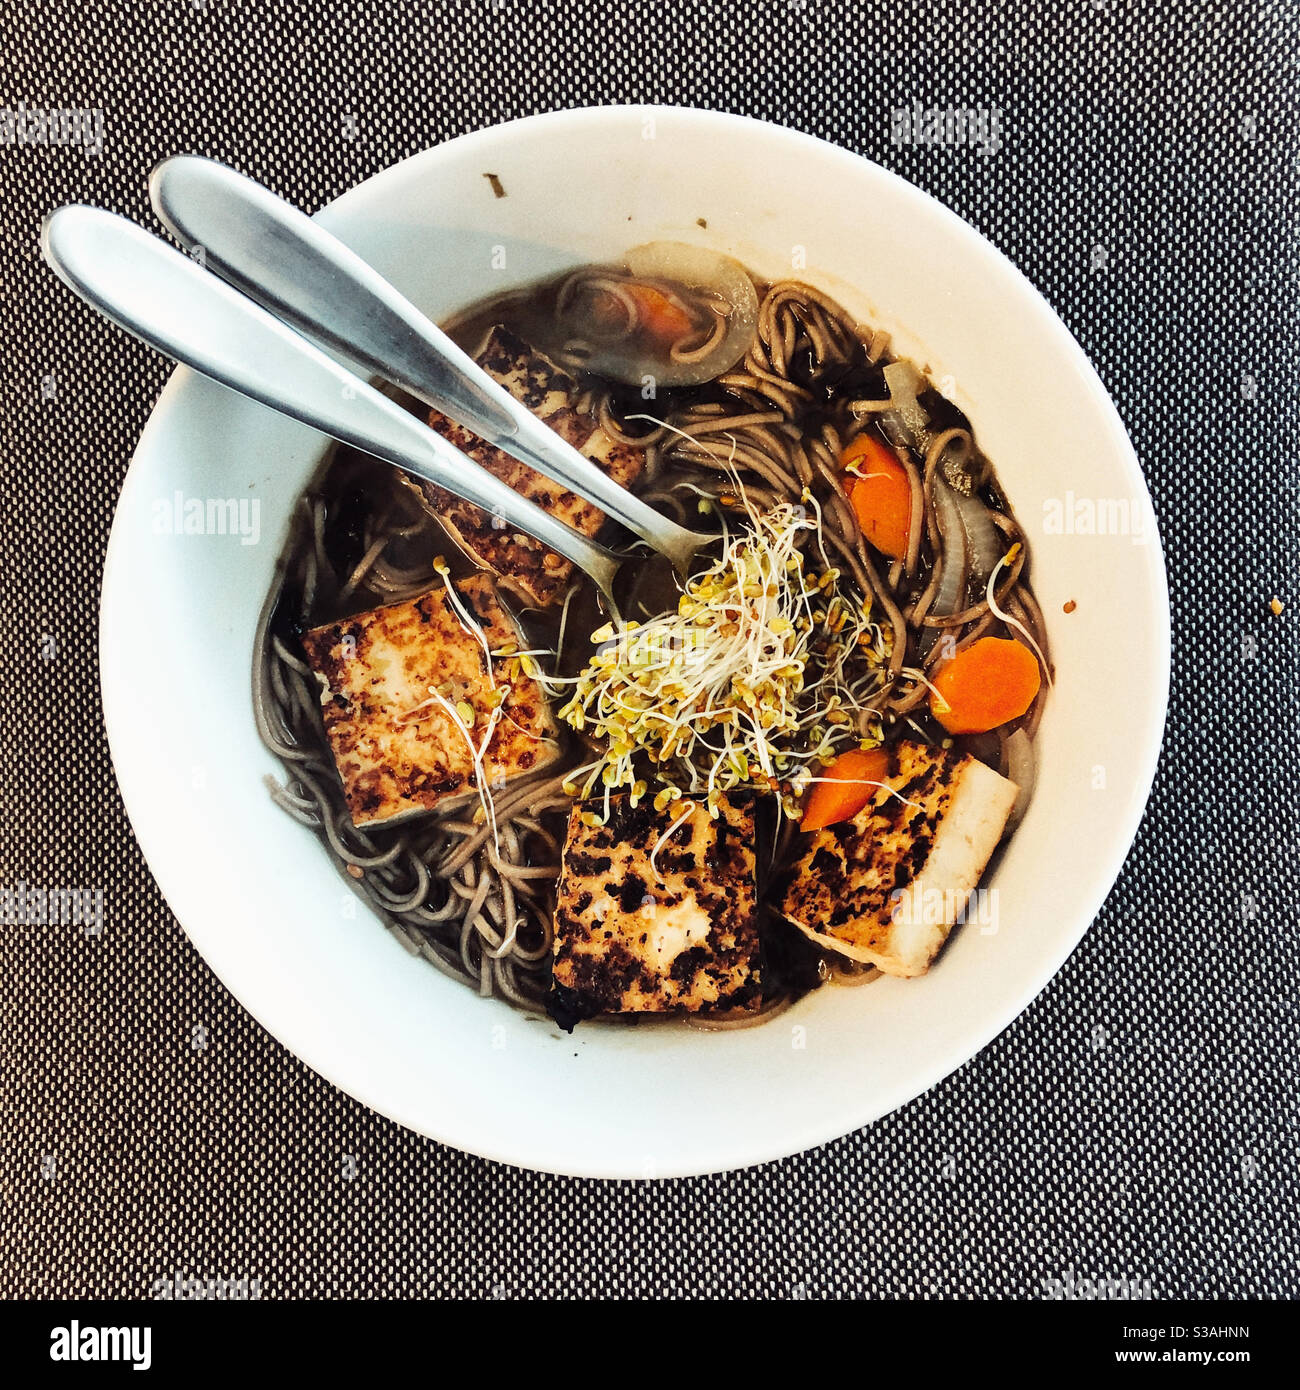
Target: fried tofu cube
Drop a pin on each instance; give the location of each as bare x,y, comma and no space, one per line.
527,568
398,750
678,933
888,886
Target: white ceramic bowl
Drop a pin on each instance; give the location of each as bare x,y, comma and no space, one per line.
255,891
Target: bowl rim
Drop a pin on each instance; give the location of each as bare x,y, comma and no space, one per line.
1128,818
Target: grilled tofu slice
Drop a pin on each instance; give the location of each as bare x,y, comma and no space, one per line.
888,886
678,934
398,751
537,575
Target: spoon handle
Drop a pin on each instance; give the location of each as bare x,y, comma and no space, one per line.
174,305
281,258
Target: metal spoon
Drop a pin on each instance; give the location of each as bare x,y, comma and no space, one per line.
291,265
173,304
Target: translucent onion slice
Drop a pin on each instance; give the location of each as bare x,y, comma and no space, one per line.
951,597
731,294
983,546
1018,765
906,421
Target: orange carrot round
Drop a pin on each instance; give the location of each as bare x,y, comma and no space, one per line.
992,681
662,319
852,783
881,494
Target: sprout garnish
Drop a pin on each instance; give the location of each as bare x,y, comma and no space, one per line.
756,679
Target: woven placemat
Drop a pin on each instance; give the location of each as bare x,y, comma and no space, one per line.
1138,1122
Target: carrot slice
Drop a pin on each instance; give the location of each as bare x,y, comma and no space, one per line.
662,319
992,681
881,494
853,776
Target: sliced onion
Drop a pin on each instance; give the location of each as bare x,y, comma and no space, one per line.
896,431
951,597
1018,765
696,268
906,421
983,546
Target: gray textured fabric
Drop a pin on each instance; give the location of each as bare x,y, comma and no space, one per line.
1137,1122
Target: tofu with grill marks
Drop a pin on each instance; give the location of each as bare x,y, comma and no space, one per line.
397,751
888,886
679,935
525,566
